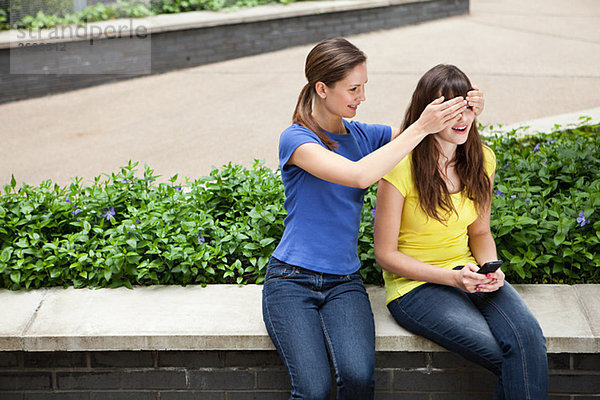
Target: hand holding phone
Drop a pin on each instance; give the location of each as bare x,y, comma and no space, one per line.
490,266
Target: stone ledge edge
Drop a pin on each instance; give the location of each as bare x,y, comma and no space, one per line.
547,124
585,340
555,345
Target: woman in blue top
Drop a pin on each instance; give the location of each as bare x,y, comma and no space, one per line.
315,306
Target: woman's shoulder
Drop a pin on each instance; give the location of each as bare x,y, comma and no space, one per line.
296,128
489,160
488,153
297,132
366,128
401,175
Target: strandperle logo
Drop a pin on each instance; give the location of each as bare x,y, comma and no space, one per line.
110,47
88,31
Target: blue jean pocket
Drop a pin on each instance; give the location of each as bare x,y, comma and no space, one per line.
279,270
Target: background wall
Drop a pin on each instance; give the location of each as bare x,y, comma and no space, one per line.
244,375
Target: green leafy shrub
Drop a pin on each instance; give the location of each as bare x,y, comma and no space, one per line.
15,10
544,211
95,13
125,230
4,20
177,6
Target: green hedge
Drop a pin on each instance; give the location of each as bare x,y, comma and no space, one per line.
544,213
126,229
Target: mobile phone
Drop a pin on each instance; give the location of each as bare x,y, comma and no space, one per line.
490,266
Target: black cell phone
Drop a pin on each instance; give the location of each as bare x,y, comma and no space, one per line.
490,266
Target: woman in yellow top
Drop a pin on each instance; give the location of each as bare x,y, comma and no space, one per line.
432,229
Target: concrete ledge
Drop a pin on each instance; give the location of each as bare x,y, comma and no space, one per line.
548,124
229,317
191,20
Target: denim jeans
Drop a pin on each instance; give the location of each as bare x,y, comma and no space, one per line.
495,330
314,319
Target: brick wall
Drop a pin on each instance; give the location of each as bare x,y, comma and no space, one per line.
193,47
244,375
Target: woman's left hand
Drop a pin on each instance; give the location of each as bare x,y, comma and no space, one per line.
496,283
475,99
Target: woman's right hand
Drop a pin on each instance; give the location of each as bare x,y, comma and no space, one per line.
468,280
440,114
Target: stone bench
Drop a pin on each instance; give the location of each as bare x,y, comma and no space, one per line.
164,342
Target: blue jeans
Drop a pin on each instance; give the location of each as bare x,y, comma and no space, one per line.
495,330
314,319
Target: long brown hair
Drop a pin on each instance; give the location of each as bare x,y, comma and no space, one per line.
328,62
434,197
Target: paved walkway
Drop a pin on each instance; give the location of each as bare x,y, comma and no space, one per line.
533,59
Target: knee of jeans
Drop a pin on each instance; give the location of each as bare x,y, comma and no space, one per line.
313,390
358,381
530,340
536,339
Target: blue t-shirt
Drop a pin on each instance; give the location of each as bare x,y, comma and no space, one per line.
321,228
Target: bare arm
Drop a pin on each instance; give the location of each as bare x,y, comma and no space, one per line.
332,167
388,219
481,241
483,246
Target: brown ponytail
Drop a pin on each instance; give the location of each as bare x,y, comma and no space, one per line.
328,62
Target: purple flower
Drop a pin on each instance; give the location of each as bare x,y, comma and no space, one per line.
125,181
527,200
201,239
551,141
536,148
512,196
77,211
67,200
499,193
506,165
132,226
109,213
373,212
178,188
138,221
581,219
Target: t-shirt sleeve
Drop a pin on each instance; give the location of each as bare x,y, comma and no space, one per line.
401,176
489,159
376,135
291,139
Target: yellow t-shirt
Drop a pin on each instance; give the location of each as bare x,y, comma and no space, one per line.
426,239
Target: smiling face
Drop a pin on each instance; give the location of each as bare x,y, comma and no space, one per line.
343,97
458,133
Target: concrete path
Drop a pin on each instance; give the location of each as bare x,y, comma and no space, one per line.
533,59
